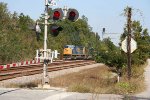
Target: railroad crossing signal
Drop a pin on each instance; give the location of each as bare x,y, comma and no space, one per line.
55,29
72,14
58,14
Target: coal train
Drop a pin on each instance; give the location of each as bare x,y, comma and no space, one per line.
76,52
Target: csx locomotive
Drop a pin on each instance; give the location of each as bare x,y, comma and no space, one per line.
75,52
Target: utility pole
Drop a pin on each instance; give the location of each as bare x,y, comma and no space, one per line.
129,43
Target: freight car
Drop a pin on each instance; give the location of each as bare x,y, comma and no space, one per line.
75,52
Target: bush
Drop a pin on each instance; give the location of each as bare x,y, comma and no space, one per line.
111,58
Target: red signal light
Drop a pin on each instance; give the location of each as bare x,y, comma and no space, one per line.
57,14
72,15
54,30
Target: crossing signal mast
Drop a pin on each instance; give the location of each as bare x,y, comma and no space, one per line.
57,14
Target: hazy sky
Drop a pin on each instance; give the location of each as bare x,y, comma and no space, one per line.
100,13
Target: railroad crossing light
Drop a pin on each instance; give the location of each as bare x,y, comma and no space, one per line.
72,15
57,14
55,29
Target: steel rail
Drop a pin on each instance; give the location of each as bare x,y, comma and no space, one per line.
37,69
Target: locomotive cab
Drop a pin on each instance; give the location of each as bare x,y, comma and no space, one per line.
67,52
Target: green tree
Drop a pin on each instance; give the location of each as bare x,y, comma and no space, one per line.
17,41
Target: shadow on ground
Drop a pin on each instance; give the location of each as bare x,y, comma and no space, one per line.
135,98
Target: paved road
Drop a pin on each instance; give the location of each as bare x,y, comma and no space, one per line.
25,94
146,93
53,94
59,94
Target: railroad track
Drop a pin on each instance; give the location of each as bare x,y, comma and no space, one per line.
37,69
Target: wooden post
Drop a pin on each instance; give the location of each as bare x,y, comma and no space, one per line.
129,43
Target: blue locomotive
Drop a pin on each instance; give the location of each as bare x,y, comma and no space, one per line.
75,52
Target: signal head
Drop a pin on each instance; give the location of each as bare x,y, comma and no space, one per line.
72,15
55,29
57,14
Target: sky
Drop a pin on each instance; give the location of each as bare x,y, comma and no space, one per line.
100,13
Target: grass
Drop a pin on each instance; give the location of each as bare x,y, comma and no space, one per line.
100,80
97,80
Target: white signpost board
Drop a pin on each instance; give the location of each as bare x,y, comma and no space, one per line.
124,45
